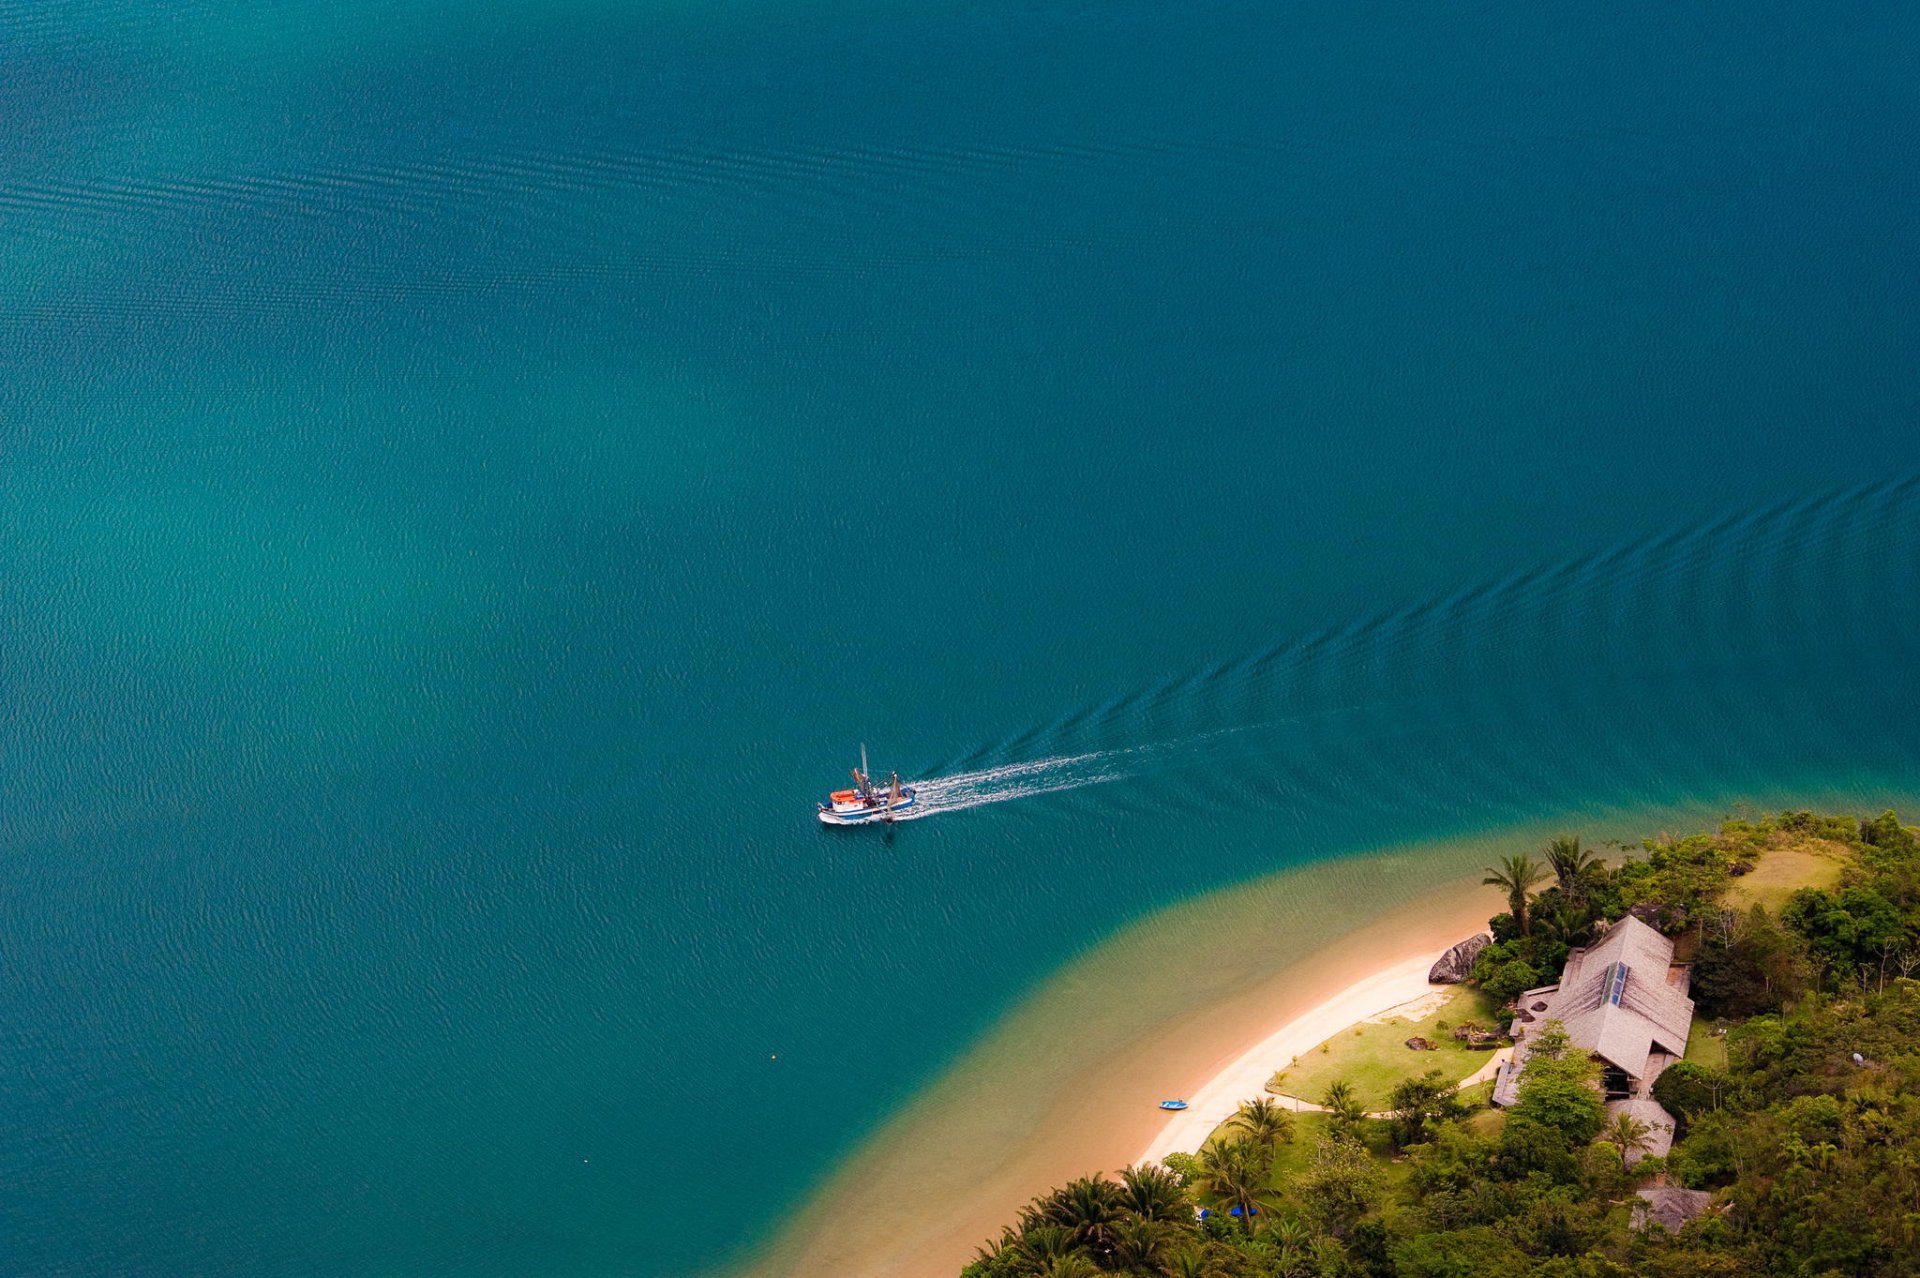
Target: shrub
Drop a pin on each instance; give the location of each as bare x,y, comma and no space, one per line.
1688,1090
1342,1183
1556,1089
1183,1166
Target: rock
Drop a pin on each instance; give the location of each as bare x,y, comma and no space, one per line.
1419,1044
1458,961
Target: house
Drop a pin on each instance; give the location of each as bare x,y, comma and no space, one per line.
1624,1000
1670,1207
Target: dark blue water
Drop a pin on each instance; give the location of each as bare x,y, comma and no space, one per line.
470,477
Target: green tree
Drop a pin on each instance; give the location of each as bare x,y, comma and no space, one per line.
1570,863
1234,1173
1074,1266
1679,879
1140,1244
1088,1209
1461,1253
1747,966
1342,1183
1629,1133
1567,923
1154,1193
1517,876
1885,831
1038,1245
1184,1166
1191,1262
1418,1103
1690,1090
1557,1088
1503,973
1263,1119
1344,1110
1855,931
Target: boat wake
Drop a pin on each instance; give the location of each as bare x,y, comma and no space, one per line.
1412,707
1014,781
960,790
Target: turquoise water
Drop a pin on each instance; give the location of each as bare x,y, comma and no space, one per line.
469,477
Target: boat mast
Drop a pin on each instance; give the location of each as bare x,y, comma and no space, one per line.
866,785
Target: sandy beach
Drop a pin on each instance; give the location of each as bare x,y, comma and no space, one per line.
1246,1076
957,1152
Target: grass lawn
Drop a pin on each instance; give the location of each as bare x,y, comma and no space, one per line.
1789,863
1291,1158
1703,1046
1372,1057
1487,1122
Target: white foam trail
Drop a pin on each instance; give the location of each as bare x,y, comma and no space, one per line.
1012,781
1073,771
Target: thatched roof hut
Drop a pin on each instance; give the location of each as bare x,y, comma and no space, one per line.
1670,1207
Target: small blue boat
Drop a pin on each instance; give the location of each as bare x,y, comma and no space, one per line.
1173,1104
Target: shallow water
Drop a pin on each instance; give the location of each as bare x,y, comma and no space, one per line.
1067,1082
471,480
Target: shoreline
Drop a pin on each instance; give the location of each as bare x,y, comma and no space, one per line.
1394,984
1067,1081
1101,1115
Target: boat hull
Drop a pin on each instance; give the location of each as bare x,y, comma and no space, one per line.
849,814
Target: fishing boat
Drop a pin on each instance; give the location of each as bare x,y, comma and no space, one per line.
867,803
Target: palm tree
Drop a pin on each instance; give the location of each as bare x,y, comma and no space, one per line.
1235,1173
1290,1261
1151,1192
1569,862
1264,1120
1189,1262
994,1248
1567,923
1517,876
1074,1266
1140,1245
1343,1107
1290,1232
1629,1133
1087,1208
1042,1244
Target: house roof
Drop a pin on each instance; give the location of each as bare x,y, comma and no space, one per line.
1670,1207
1614,999
1659,1126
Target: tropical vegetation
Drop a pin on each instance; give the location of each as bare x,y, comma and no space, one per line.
1804,1139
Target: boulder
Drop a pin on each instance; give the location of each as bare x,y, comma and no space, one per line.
1458,961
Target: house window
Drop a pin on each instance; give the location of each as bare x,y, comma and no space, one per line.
1615,1083
1616,983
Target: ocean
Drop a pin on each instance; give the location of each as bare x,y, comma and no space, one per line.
472,477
